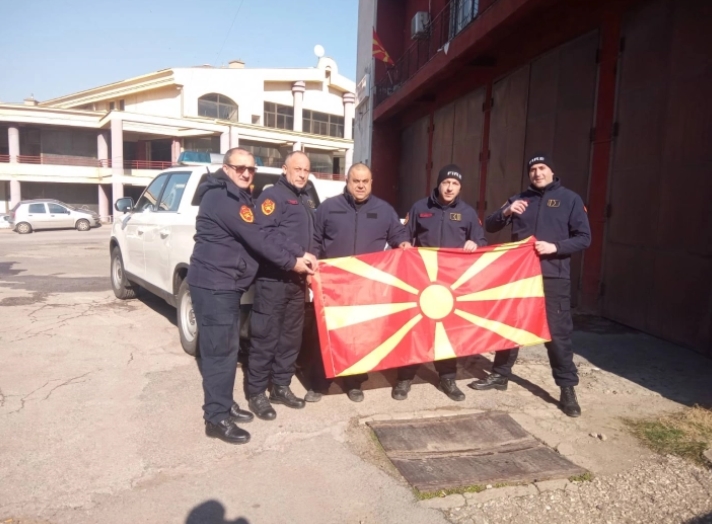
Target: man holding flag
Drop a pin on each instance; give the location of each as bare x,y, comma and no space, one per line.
557,218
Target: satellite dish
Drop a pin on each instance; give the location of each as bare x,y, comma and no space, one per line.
319,51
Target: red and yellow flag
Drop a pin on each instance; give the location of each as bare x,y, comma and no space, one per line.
410,306
379,52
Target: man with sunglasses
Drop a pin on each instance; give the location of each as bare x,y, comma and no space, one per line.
285,215
222,267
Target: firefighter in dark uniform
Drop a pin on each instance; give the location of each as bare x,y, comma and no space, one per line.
222,267
556,217
285,215
442,220
354,223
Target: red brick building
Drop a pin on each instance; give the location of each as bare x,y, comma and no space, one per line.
618,91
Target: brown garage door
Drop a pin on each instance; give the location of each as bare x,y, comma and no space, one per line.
658,258
562,89
414,159
457,139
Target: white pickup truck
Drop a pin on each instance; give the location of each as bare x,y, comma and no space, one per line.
152,243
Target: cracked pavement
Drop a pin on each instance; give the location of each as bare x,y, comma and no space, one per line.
100,411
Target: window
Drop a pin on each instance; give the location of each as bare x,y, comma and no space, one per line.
279,116
170,199
217,106
57,209
462,12
112,106
122,104
150,196
318,123
37,208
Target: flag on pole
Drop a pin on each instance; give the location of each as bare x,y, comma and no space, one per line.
410,306
379,52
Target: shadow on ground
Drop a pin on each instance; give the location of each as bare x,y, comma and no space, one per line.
211,512
676,373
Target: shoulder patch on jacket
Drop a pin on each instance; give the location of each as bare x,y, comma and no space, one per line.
268,207
246,214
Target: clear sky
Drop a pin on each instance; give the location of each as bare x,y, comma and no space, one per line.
55,47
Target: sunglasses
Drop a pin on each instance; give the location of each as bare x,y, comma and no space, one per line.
241,169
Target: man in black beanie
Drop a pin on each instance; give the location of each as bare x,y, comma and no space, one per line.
442,220
557,218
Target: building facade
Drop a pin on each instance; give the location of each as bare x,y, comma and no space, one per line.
92,147
617,91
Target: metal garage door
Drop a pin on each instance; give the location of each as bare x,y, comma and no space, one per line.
658,253
414,159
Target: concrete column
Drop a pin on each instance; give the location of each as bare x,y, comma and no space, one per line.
15,192
175,150
234,137
298,91
297,146
117,158
224,142
13,140
348,160
102,148
104,210
349,101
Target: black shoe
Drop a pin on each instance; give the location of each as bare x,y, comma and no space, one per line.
284,395
568,403
493,381
312,396
449,387
227,431
400,392
355,395
240,416
260,406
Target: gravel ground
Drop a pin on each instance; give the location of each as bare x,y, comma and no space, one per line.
660,490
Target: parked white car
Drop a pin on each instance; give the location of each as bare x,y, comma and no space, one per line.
152,243
30,215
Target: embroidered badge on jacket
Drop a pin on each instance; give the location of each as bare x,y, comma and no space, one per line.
268,207
553,203
246,214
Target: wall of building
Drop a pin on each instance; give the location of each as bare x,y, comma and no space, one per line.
165,101
77,195
364,65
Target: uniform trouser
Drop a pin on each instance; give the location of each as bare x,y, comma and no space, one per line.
447,369
276,327
218,316
557,294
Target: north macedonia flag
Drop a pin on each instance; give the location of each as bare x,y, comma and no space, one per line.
410,306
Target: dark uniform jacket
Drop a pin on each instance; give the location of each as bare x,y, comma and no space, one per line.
285,216
228,243
431,224
344,228
554,214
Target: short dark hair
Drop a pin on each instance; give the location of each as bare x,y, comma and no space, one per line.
358,165
292,153
230,152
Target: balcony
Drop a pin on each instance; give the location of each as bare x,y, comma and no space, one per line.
63,160
444,26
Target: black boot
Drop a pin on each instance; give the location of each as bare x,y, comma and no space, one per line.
227,431
493,381
449,387
240,416
260,406
355,395
284,395
400,392
568,403
312,396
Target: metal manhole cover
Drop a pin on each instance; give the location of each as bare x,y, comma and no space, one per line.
484,448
